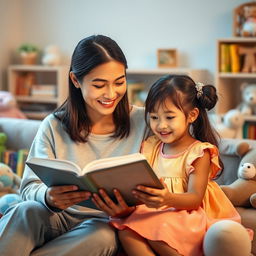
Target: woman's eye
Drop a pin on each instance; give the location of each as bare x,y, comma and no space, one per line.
98,86
119,83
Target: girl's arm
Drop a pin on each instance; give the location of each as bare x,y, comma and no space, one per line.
192,199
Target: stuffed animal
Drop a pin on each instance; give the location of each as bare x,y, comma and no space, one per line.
9,188
231,125
248,104
51,56
242,192
249,25
8,107
9,181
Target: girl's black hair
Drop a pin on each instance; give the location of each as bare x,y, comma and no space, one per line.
89,53
182,91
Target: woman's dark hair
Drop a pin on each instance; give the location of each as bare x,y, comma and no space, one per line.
183,93
89,53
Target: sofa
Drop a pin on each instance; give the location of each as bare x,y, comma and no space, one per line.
20,134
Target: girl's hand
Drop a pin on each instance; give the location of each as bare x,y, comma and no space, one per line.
153,198
62,197
106,204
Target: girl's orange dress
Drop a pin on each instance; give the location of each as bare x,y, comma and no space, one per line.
181,229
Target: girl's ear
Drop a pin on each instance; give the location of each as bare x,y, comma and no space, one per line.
74,80
193,114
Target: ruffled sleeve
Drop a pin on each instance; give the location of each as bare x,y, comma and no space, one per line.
150,148
198,151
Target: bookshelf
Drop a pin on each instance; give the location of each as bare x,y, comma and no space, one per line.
38,89
228,82
230,75
144,78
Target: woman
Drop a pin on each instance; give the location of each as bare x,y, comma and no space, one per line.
94,122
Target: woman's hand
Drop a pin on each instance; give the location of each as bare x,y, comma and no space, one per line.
63,197
153,198
104,203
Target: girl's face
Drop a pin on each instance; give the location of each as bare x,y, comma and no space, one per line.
169,123
103,88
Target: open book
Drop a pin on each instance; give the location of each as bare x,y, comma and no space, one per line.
123,173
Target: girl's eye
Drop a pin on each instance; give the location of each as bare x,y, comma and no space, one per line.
153,117
169,117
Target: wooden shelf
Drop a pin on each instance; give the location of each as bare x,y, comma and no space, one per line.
227,83
20,86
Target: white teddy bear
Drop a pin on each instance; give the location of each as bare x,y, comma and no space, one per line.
248,104
231,125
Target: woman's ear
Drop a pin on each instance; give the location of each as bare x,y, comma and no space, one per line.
193,114
74,80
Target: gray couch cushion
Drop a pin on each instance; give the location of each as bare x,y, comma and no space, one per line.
20,132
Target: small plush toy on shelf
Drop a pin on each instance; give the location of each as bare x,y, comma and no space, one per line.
51,56
249,24
248,104
231,125
244,21
242,192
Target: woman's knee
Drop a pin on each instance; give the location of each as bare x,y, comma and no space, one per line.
101,230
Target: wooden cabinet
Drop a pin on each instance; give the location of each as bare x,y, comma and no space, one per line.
38,89
228,82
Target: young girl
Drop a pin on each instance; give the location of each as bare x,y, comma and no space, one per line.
183,152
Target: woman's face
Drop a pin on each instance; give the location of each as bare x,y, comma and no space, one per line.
103,88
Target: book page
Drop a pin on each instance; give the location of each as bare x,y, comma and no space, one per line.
112,161
63,165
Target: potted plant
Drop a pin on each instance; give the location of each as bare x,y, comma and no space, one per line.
28,53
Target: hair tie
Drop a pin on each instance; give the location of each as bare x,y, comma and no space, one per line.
199,89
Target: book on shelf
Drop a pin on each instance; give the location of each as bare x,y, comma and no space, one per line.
43,90
225,65
234,58
15,159
123,173
249,130
24,82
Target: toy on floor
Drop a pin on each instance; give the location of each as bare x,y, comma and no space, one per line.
248,104
8,106
242,192
231,125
